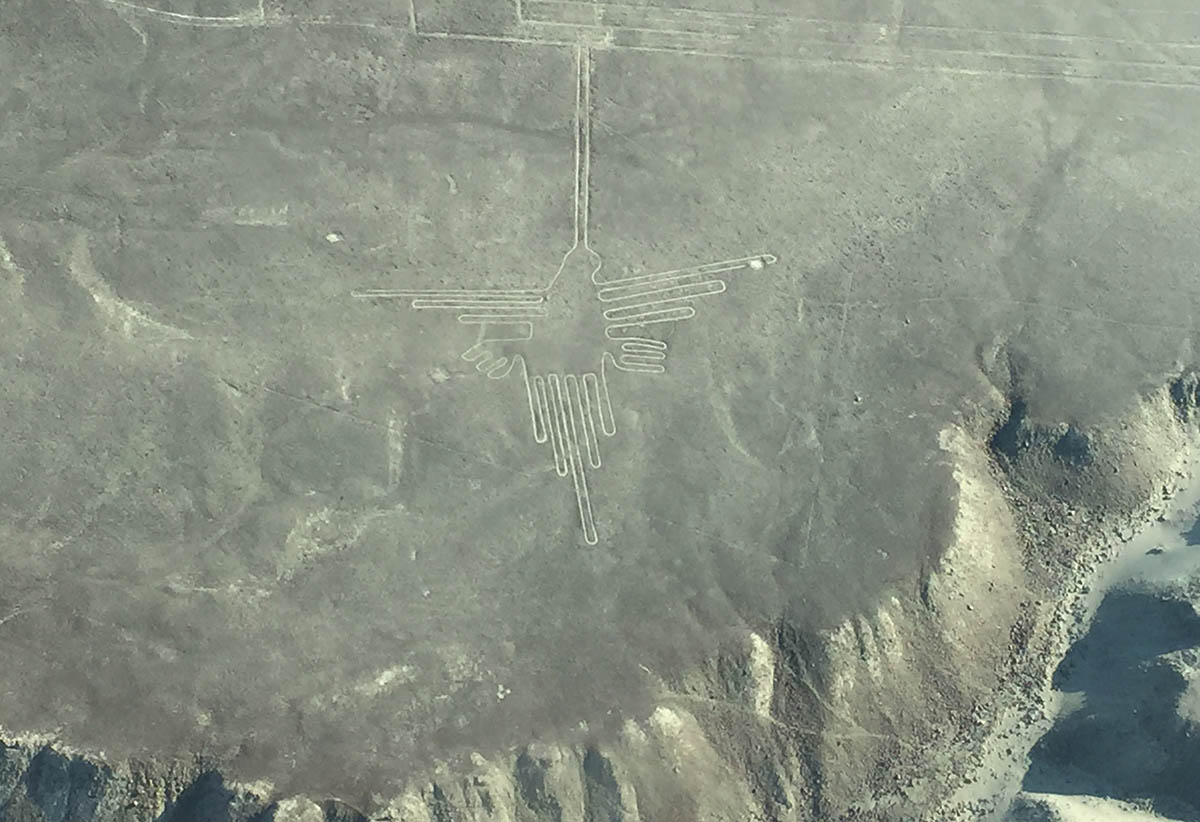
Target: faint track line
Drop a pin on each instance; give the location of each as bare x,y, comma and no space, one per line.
949,55
747,35
249,18
867,29
955,50
890,62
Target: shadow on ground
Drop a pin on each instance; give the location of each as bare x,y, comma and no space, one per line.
1126,739
56,787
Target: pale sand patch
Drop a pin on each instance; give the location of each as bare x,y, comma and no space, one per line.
132,323
762,675
1049,807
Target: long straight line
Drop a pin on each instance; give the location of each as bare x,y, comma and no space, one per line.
583,141
896,14
880,63
693,38
578,141
585,128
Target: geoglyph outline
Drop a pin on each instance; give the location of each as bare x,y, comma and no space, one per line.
570,412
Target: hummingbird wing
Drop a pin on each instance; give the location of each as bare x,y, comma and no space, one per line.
501,314
637,307
472,307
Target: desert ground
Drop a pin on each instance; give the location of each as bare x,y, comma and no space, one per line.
552,410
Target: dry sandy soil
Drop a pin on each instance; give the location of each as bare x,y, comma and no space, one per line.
573,411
